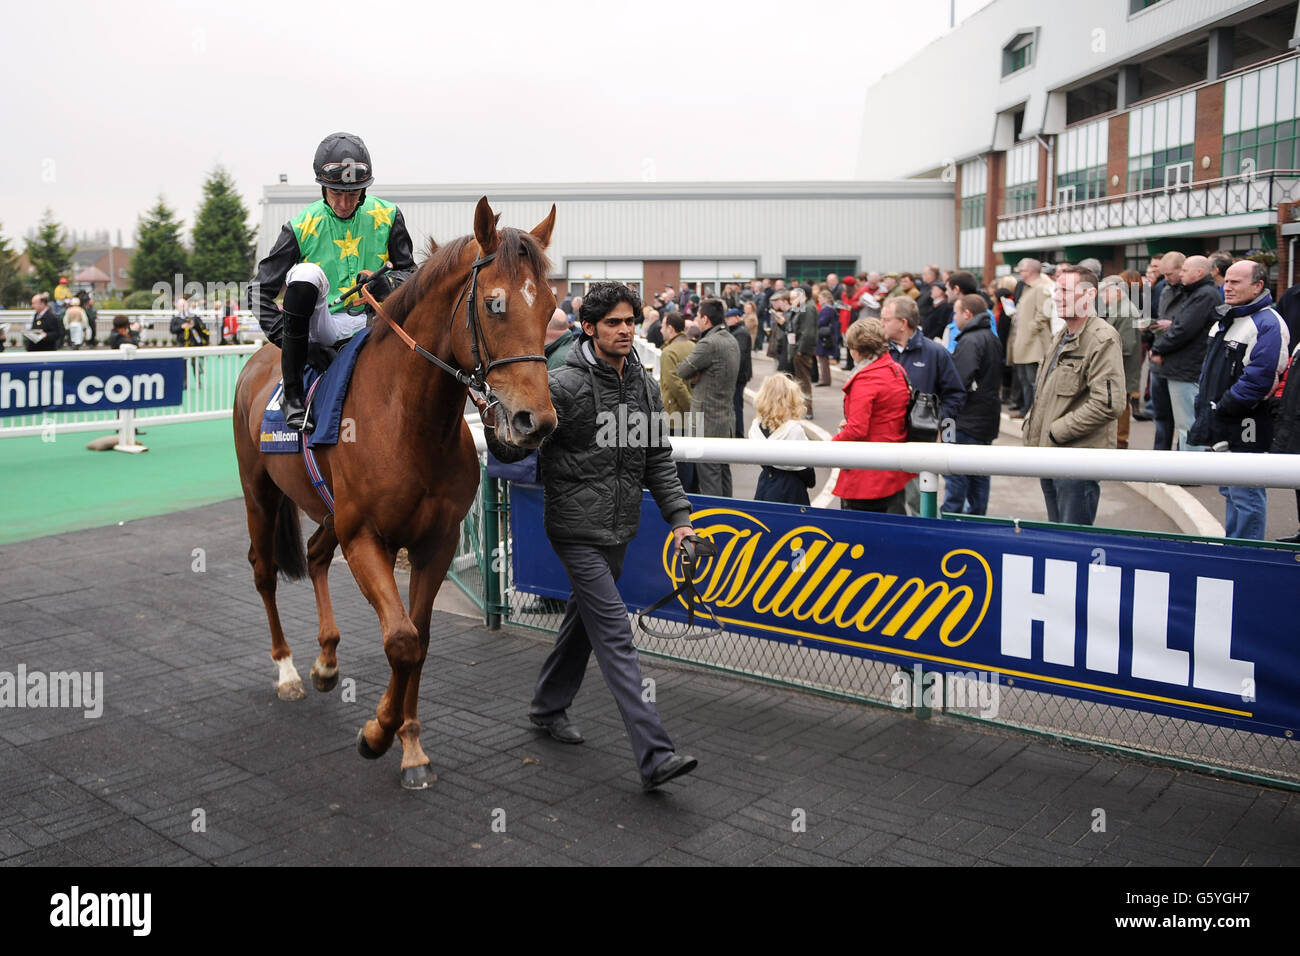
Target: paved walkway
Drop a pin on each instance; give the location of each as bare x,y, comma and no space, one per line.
191,732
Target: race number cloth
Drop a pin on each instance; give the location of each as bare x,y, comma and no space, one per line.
1196,631
326,403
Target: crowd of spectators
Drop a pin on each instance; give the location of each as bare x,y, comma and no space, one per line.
1070,352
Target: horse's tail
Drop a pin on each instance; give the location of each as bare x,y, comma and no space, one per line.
290,555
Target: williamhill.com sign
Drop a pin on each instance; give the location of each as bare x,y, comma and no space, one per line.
33,388
1197,631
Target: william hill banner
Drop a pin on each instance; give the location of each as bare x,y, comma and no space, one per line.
30,388
1197,631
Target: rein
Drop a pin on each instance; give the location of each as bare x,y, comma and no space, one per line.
480,392
693,549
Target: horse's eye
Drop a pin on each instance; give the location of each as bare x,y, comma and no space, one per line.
497,305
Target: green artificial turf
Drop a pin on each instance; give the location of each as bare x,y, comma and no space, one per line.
52,487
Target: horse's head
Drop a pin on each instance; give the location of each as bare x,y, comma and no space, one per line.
483,302
515,304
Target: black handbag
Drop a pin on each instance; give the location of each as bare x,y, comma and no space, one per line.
923,417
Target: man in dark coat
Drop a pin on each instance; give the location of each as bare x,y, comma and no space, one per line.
928,366
592,477
711,370
1286,437
44,321
978,358
746,370
1179,350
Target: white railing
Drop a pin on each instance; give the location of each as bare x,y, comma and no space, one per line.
210,375
1100,464
1205,468
1230,196
155,324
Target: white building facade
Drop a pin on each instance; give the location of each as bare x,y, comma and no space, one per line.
702,234
1115,128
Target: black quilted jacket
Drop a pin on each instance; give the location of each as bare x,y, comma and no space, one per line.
593,471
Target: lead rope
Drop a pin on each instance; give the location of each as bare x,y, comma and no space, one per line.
693,548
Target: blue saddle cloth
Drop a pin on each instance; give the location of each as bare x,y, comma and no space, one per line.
326,403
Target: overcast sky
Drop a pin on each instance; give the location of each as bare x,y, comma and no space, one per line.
108,105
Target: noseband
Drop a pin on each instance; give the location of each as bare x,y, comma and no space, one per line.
480,392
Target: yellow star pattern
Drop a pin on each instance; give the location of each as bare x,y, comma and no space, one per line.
308,225
383,257
382,215
348,246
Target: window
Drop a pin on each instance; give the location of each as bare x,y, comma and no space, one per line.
1018,53
1160,134
1178,175
816,270
583,273
1137,6
1022,198
1082,184
1261,120
972,212
1148,172
1081,161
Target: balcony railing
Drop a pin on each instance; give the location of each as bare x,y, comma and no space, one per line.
1230,196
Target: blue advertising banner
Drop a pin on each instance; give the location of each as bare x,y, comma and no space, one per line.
1198,631
32,388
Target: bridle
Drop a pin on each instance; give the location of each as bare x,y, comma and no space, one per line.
480,392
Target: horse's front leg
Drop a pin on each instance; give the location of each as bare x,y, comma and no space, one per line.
427,574
372,562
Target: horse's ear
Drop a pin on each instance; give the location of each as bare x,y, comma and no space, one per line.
542,232
485,227
433,246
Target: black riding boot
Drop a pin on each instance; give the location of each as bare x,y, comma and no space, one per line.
298,306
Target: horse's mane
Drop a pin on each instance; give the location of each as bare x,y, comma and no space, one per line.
517,251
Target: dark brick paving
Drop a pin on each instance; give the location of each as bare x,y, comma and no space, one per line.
191,721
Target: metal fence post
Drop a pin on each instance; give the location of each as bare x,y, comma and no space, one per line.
492,552
929,482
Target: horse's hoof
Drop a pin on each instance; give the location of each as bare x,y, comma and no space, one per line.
364,748
291,690
322,683
418,778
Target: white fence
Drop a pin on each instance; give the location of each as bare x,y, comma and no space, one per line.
155,325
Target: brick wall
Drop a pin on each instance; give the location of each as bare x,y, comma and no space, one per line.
1209,132
1117,155
993,208
656,275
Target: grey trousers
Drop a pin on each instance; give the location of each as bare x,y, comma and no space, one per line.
715,478
596,619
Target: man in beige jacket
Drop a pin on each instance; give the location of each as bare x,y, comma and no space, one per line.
1081,393
676,393
1033,333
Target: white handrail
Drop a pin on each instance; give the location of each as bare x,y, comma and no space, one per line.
1201,468
1109,464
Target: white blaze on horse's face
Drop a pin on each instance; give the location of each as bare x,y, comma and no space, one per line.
529,292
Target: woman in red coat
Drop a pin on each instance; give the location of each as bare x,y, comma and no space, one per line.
875,409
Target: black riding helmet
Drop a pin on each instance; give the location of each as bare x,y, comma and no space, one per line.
342,162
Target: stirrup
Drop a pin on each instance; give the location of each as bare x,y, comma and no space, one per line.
693,548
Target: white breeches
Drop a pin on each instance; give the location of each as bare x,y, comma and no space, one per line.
325,327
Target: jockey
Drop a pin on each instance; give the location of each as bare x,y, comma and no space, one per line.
322,252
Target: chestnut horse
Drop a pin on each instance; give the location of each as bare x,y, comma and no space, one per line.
410,475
